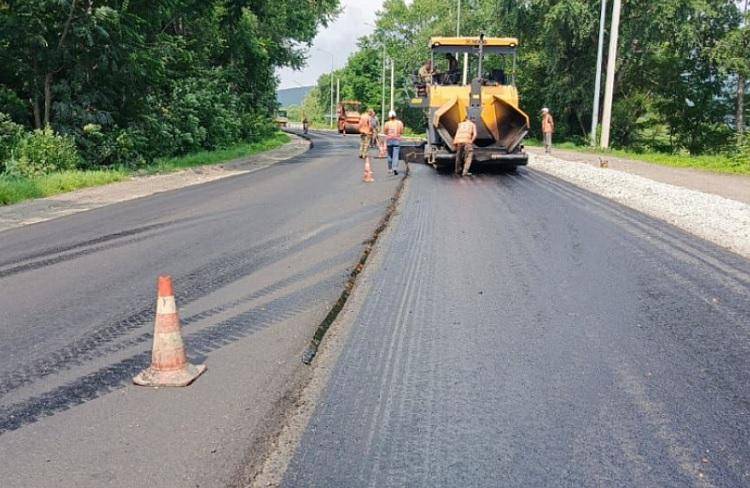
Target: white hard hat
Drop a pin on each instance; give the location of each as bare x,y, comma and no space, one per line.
545,109
391,114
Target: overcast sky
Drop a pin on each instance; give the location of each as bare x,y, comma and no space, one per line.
339,38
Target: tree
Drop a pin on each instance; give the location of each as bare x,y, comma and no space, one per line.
165,76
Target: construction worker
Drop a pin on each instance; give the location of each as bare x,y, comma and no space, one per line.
464,139
365,134
548,127
393,129
305,125
426,72
454,72
375,126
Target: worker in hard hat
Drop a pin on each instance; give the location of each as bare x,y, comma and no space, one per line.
365,134
463,141
393,129
548,127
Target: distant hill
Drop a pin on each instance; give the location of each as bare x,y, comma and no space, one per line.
292,96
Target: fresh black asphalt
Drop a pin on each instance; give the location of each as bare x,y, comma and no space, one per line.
257,261
523,332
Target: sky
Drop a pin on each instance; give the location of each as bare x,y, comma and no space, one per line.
339,38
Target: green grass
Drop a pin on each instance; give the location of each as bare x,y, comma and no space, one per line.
718,163
203,158
14,190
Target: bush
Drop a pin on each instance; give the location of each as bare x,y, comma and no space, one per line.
42,152
10,135
740,157
115,148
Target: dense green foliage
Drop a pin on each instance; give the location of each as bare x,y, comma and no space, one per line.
42,152
677,67
132,80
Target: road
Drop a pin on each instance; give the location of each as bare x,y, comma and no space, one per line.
258,260
523,332
518,331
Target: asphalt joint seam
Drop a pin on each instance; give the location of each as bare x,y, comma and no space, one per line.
322,328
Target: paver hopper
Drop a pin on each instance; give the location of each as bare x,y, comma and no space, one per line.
491,101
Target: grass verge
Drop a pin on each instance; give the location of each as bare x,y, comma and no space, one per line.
716,163
14,190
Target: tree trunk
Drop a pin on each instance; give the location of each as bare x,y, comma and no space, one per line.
47,99
37,112
740,107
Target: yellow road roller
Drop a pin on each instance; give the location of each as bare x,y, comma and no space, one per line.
490,99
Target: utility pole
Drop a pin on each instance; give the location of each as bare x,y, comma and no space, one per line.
338,91
331,94
611,65
458,34
598,85
740,119
382,90
458,20
393,64
330,54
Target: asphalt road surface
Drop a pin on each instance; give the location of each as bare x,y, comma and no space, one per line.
257,260
523,332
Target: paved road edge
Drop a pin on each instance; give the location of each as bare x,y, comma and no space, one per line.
271,467
716,219
50,208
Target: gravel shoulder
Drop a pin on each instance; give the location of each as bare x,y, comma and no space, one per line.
734,187
44,209
718,219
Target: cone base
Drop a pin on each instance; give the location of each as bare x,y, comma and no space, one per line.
182,377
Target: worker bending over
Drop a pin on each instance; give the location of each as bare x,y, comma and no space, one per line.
394,129
464,143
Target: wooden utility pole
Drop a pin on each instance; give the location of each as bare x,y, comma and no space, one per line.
598,84
611,65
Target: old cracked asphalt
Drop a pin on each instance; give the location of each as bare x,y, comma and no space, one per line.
523,332
257,259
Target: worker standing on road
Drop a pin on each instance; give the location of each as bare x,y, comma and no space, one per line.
393,129
365,133
548,127
305,125
464,143
375,126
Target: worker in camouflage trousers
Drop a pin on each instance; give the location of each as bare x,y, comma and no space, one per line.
463,141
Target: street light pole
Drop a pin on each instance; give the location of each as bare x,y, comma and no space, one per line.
598,85
611,64
332,69
382,91
458,20
393,64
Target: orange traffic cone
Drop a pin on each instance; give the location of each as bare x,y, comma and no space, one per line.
382,152
368,178
169,366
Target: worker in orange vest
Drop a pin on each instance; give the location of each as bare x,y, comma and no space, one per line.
548,127
393,129
365,134
464,143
